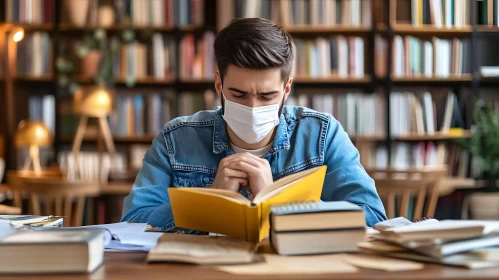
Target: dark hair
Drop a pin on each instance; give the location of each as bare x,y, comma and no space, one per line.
254,43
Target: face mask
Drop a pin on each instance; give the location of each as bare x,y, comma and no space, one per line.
248,123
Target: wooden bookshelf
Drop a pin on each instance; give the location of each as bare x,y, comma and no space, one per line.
118,139
36,27
464,78
332,80
434,137
138,82
409,29
38,79
487,29
335,29
119,28
116,188
196,81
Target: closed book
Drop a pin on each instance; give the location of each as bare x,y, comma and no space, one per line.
52,251
317,215
460,246
237,216
317,242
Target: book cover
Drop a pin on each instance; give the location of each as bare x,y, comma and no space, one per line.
231,214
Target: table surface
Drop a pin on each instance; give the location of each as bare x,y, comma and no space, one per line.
124,266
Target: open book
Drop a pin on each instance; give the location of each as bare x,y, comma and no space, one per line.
232,214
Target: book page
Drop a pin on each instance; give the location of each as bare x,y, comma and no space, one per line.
281,185
230,195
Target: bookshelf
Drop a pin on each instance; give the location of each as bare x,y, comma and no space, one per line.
386,19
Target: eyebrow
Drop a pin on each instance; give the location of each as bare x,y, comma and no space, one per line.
261,93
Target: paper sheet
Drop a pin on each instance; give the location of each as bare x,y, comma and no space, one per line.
131,236
381,263
281,265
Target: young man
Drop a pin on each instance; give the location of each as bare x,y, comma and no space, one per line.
253,139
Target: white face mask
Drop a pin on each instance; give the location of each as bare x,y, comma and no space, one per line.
248,123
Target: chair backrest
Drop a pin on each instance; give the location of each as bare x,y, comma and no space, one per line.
55,196
400,185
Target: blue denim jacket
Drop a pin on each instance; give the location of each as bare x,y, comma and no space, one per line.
188,150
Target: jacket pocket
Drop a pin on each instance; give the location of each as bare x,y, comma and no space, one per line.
192,179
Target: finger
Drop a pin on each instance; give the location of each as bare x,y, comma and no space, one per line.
235,184
243,158
251,170
229,172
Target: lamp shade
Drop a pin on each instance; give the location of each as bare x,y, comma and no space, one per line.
93,101
32,133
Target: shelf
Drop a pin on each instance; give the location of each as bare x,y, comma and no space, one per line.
116,188
139,81
35,27
489,81
409,29
196,81
117,139
487,29
331,80
367,138
464,78
434,137
39,79
118,28
313,29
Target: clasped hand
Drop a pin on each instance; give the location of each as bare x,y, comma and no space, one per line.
243,170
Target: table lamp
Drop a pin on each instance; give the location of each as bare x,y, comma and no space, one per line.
33,134
93,102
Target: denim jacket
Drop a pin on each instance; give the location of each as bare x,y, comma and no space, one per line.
188,150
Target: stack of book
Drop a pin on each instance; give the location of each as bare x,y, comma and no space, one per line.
453,242
316,228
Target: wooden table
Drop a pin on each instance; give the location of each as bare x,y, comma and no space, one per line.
123,266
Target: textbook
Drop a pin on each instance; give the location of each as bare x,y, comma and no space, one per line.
232,214
52,251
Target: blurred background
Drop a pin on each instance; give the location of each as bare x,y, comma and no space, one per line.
85,85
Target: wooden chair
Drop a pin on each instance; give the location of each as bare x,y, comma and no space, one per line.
401,185
55,195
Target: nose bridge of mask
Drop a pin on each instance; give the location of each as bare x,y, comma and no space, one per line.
255,115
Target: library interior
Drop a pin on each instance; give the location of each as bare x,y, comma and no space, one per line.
205,139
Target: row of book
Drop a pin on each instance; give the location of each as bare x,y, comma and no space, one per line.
301,12
437,57
423,113
162,12
325,57
30,11
141,114
42,108
192,102
34,55
360,114
423,154
445,13
194,57
488,12
327,12
139,60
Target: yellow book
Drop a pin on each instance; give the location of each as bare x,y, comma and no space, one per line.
232,214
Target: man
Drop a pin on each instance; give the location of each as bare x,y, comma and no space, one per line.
253,139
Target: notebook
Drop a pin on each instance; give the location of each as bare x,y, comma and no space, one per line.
229,213
317,215
52,251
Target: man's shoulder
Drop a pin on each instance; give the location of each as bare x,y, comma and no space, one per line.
297,113
199,119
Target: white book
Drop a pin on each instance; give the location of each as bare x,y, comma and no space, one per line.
314,10
356,12
330,12
37,63
393,114
49,112
447,53
156,12
350,125
449,108
439,13
342,57
458,14
317,103
328,100
428,109
359,57
381,157
489,71
159,56
398,56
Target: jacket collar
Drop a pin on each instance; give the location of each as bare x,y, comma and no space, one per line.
221,138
